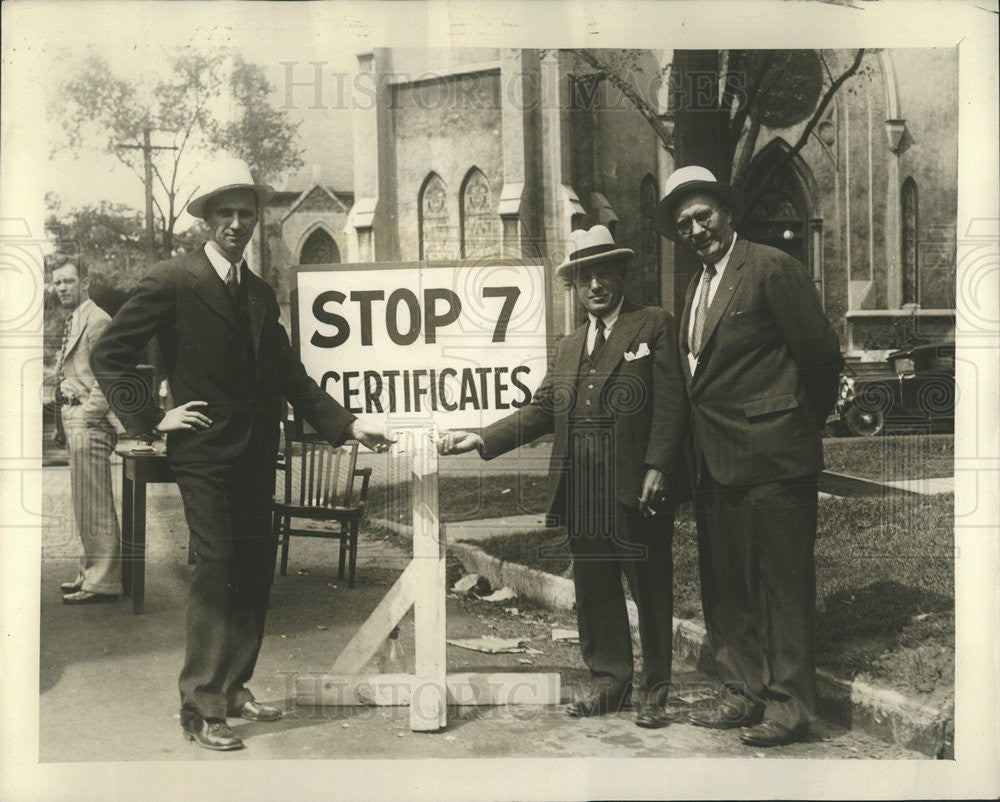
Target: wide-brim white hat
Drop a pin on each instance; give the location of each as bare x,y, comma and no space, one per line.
590,247
225,174
685,181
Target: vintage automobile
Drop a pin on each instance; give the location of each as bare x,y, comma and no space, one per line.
916,393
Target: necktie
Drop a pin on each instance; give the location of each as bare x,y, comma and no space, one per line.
702,311
232,281
599,338
67,330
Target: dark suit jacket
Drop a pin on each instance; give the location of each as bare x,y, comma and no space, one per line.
644,396
768,372
185,304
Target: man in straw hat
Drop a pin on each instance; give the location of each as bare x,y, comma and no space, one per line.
761,365
229,363
614,399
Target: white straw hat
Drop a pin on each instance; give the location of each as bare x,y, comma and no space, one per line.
686,180
586,248
225,174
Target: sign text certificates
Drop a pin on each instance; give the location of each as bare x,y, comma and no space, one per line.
459,344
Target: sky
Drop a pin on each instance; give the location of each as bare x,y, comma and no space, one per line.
287,52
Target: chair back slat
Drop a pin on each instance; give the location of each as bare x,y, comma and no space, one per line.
318,474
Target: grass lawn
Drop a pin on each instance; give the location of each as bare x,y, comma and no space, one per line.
486,495
885,567
884,578
918,456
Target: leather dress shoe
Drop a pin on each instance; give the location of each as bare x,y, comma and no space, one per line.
597,703
252,710
724,715
70,587
88,597
212,734
770,733
652,716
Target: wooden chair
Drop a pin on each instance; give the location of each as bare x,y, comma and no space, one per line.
321,485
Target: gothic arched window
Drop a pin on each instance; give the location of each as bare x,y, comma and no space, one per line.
480,224
436,241
319,249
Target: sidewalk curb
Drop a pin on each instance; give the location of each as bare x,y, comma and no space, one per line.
884,713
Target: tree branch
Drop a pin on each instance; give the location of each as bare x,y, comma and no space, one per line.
800,143
631,95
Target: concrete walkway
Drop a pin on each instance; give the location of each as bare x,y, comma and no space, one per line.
108,678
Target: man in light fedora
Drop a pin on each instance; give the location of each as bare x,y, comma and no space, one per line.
613,396
229,363
761,365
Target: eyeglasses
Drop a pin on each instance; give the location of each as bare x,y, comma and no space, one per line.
703,218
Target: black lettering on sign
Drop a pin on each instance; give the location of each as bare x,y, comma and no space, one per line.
510,296
432,320
323,316
406,297
450,406
467,395
364,299
330,374
499,388
350,391
515,379
373,389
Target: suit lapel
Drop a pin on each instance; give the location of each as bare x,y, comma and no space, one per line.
210,289
568,361
613,350
731,278
682,334
257,301
81,324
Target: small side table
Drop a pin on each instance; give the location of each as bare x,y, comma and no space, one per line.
138,470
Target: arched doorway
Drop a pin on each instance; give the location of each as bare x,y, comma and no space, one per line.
779,211
319,249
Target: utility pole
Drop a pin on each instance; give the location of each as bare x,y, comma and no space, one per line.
147,149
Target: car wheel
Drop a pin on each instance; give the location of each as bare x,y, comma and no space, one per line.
863,424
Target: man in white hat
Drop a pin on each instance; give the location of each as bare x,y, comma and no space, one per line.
229,363
761,365
613,396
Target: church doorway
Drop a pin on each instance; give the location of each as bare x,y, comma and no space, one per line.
319,249
780,207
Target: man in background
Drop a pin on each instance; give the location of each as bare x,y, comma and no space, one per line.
88,430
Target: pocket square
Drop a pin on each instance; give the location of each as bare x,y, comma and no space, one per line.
640,352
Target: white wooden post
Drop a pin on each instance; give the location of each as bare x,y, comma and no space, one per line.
422,586
428,705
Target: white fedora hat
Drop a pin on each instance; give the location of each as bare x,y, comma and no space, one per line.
225,174
684,181
587,248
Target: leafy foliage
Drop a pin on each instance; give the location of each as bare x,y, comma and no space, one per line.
208,102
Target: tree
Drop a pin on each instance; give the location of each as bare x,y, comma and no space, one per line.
721,99
185,112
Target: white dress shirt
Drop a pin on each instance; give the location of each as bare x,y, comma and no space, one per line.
720,268
609,323
221,263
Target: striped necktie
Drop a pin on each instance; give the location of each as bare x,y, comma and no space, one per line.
233,281
67,330
702,311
